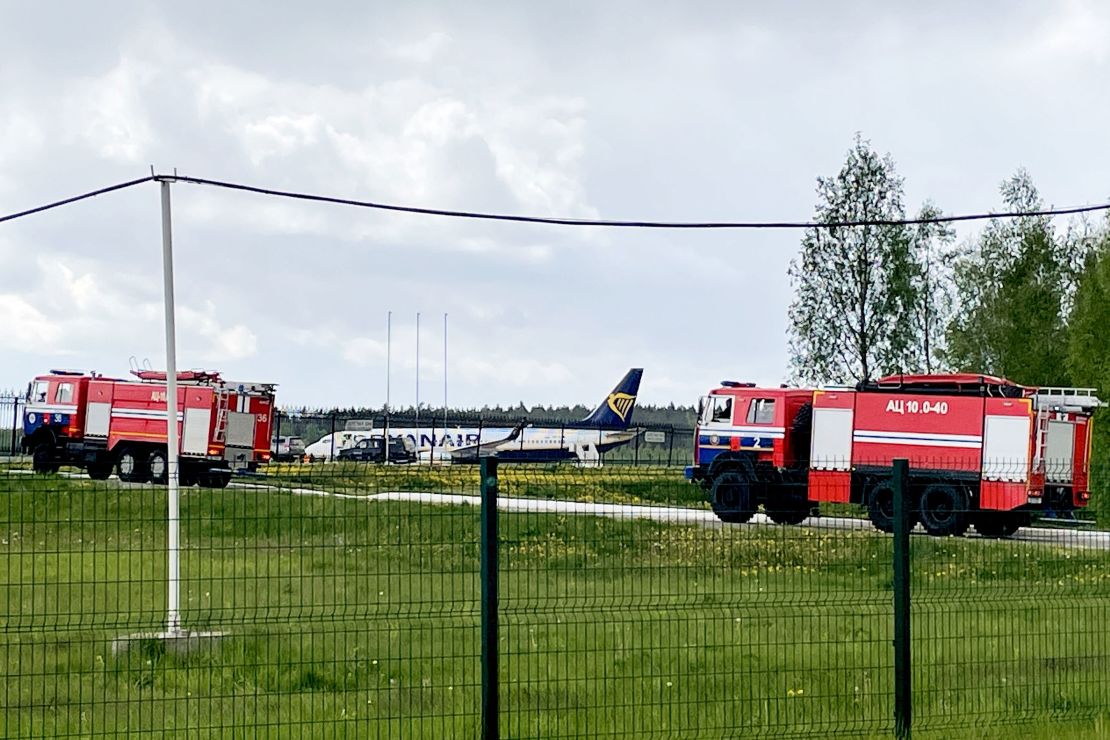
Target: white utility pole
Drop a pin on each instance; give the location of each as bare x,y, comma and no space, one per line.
445,375
388,364
417,424
173,610
177,639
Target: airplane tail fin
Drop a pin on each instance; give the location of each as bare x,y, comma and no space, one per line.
615,412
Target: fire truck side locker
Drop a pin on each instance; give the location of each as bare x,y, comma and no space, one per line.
830,455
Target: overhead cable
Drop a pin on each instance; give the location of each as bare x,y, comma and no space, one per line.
74,199
560,221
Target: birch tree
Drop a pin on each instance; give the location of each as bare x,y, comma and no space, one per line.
858,295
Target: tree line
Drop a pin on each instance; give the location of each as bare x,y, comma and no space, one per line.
1024,298
648,415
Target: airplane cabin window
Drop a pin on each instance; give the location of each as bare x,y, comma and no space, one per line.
761,411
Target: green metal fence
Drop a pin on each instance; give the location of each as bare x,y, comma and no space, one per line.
337,600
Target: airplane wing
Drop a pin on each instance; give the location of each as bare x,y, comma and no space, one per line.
471,453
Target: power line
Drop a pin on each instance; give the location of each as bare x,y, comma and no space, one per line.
631,223
557,221
74,199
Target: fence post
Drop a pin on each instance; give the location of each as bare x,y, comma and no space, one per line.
488,569
333,413
274,443
15,423
670,449
903,700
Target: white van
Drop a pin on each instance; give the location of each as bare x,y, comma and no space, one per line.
328,446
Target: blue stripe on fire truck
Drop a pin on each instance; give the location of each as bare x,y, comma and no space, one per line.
711,441
33,420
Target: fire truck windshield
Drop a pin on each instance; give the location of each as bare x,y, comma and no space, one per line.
720,409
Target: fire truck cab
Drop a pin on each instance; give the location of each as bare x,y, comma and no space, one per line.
982,450
108,424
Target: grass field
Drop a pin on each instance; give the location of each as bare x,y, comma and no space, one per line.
355,619
639,484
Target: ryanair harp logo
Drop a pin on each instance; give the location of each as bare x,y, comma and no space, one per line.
621,404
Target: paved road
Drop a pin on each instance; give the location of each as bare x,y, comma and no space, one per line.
1057,537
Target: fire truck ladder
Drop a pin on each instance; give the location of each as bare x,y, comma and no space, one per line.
1051,399
221,416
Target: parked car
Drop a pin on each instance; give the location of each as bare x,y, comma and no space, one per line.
287,449
401,450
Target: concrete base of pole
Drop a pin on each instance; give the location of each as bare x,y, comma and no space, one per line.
178,642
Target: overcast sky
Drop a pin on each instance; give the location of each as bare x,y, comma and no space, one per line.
721,111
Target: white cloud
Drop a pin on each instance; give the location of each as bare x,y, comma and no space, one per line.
506,370
1076,30
279,135
203,335
111,112
423,50
364,352
403,141
21,135
24,325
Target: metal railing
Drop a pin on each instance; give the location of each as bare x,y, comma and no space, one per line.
534,601
11,424
644,444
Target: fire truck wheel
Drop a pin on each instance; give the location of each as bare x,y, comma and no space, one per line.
158,465
187,476
790,510
944,510
215,478
732,498
42,459
997,524
131,467
880,506
99,470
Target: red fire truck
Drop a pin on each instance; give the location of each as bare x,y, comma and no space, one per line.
104,424
982,450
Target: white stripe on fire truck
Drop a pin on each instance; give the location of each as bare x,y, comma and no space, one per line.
922,439
50,408
143,414
774,432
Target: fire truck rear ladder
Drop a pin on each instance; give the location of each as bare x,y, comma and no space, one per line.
1052,399
221,416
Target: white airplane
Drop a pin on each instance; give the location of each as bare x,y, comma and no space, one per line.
330,445
585,441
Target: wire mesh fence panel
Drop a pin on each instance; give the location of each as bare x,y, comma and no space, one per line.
314,602
343,598
1009,620
622,619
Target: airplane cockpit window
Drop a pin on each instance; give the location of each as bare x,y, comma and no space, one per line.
721,410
